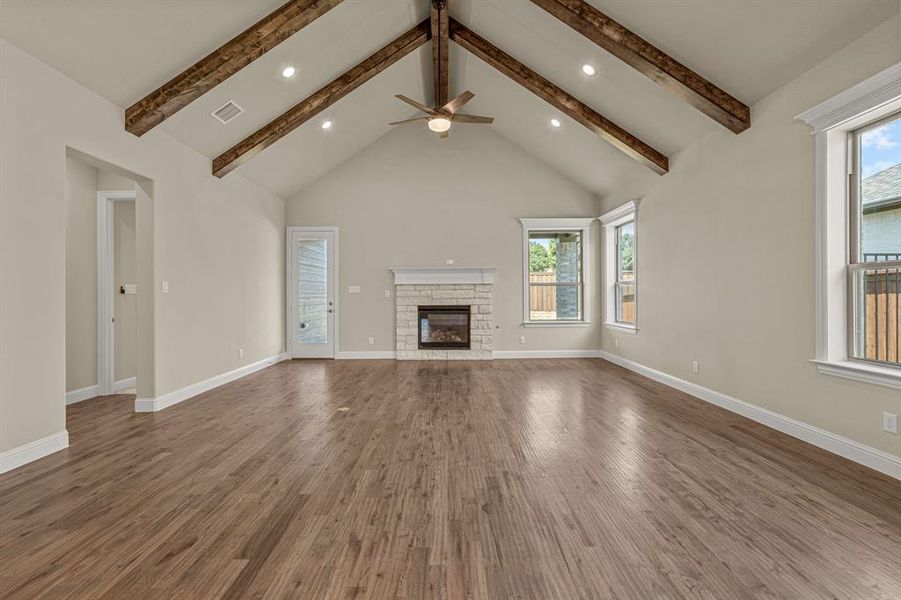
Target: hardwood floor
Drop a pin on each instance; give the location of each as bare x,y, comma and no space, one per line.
550,479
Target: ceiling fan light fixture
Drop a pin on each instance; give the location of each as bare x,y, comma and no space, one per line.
439,124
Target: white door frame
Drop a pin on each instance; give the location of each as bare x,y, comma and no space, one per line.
289,278
106,295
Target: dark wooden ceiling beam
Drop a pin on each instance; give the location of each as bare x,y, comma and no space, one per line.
651,61
563,101
439,25
321,99
222,63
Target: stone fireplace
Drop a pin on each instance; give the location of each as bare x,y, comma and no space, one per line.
444,313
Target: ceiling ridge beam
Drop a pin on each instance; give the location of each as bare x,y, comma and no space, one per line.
439,24
652,62
320,100
222,63
559,98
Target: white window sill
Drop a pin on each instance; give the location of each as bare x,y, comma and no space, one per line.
622,327
556,323
858,371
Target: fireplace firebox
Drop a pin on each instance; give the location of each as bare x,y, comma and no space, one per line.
444,327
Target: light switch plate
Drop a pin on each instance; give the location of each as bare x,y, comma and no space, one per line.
130,288
353,289
165,287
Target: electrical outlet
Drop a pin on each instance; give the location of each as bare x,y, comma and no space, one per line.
165,287
371,340
889,422
387,293
449,261
241,353
522,339
694,367
353,289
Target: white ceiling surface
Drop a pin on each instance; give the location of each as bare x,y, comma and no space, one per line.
123,49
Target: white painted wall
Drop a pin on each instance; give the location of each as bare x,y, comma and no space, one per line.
81,275
726,261
218,242
411,199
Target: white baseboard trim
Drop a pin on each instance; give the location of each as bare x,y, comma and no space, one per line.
124,384
547,354
172,398
85,393
366,355
874,458
26,453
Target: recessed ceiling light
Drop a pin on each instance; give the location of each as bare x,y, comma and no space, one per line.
588,69
288,72
327,125
556,123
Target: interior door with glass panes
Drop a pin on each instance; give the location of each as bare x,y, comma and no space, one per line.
312,254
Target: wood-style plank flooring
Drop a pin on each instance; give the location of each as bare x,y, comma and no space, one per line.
549,479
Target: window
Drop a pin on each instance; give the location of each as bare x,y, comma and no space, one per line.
556,271
620,272
874,267
856,142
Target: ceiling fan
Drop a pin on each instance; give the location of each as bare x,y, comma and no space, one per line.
440,119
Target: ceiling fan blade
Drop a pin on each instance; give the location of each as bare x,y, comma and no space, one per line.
409,121
458,102
461,118
415,104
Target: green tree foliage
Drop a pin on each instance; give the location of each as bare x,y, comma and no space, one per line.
542,259
627,251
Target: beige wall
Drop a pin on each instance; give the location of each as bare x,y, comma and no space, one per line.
726,261
413,200
124,305
219,243
81,275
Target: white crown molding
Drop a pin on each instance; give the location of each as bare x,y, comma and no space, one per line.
620,212
873,458
172,398
508,354
442,275
867,95
556,223
366,355
26,453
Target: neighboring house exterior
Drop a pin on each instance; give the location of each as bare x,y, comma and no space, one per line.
881,193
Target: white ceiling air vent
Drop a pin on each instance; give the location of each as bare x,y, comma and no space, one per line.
227,112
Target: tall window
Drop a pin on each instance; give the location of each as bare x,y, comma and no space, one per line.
875,235
556,269
620,272
625,273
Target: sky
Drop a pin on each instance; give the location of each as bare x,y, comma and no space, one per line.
881,148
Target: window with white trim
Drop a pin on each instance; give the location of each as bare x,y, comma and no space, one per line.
874,269
856,276
556,271
620,267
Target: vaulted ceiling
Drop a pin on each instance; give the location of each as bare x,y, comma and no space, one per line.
124,50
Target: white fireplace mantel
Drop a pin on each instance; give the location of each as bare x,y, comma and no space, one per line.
442,275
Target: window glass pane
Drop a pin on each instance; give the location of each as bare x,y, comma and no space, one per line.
555,276
625,236
880,192
312,293
877,315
